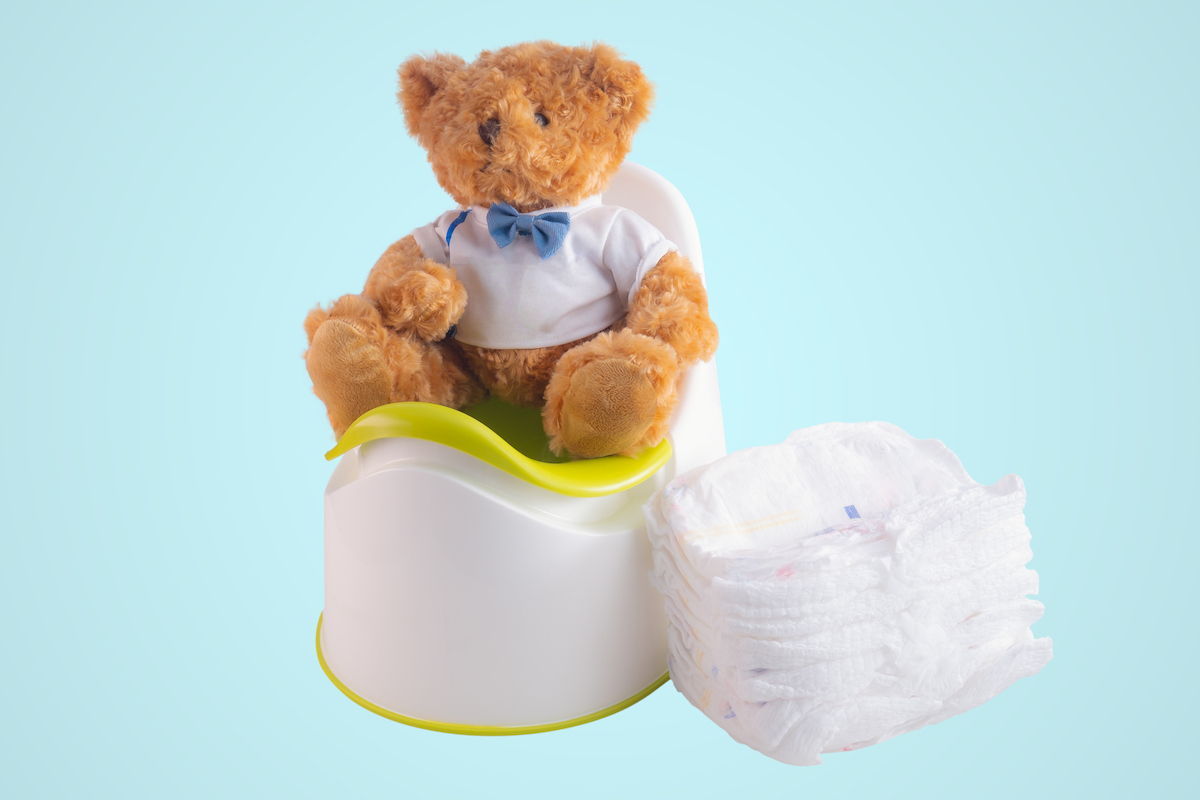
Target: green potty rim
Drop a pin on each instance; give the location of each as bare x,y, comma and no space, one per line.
479,730
594,477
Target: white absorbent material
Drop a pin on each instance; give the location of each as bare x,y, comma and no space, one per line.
844,587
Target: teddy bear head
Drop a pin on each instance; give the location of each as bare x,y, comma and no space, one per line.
533,125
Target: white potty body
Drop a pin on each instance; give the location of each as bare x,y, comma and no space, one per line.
472,587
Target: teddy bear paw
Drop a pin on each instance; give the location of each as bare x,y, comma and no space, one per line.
348,372
607,409
425,302
612,394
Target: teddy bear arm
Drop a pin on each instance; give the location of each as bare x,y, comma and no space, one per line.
415,295
671,305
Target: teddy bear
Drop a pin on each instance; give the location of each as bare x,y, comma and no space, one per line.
532,290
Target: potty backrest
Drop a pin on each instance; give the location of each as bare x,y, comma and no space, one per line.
697,431
656,200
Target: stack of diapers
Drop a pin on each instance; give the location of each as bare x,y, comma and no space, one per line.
844,587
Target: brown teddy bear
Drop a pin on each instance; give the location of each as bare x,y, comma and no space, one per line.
533,290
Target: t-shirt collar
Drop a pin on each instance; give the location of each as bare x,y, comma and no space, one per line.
588,202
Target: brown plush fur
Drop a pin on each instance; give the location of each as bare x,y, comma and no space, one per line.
611,393
519,377
344,364
515,376
348,371
415,294
593,99
672,306
620,417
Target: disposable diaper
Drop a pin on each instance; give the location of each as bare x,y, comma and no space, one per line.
841,588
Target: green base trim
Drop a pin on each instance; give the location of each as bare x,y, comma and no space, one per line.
478,730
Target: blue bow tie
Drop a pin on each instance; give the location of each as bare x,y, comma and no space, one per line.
548,230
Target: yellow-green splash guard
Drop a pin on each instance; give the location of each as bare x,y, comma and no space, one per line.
509,438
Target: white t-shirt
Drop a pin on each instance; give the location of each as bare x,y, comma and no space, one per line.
517,300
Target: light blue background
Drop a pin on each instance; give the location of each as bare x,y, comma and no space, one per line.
980,224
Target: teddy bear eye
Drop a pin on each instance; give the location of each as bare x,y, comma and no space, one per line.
542,119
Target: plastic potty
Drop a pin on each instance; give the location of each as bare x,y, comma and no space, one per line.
476,584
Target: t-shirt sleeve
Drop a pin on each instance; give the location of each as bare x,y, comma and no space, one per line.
432,237
632,249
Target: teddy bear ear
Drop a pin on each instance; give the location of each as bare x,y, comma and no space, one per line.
420,79
629,93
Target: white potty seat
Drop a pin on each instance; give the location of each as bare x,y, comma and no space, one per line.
476,584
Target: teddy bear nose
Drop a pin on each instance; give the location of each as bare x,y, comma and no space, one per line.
489,130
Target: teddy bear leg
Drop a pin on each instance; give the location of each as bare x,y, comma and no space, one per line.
345,359
357,363
518,377
612,394
429,372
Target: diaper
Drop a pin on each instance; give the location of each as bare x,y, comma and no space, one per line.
841,588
